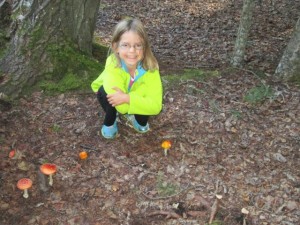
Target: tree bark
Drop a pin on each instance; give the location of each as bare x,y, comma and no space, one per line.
45,23
289,65
243,32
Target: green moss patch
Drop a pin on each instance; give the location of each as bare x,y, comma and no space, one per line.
192,74
3,43
100,52
72,70
295,79
258,94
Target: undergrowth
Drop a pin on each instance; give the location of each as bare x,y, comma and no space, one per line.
258,94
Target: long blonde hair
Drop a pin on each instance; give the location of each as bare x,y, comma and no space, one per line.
149,61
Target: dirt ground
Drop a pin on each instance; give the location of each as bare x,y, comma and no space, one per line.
221,145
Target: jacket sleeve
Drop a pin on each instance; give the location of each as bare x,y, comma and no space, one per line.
115,78
147,98
96,84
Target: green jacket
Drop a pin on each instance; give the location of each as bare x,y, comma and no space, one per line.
145,93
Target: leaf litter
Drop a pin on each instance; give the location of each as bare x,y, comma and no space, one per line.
221,145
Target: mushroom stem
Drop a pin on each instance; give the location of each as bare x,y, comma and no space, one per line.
166,151
245,212
25,195
50,180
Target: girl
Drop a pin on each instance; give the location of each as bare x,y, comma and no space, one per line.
130,83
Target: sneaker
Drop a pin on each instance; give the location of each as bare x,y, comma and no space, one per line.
136,125
109,132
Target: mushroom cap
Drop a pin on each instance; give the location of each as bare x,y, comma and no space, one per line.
245,211
166,144
12,153
24,183
48,168
83,155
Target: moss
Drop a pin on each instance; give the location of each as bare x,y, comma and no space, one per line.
35,36
4,41
258,94
99,52
71,70
295,79
191,74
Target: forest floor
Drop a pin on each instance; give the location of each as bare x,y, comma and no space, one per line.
221,143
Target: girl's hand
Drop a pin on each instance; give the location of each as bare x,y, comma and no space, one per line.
118,98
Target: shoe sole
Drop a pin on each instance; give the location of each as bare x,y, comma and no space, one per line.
129,123
109,137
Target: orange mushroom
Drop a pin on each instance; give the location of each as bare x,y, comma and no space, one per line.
24,184
83,155
48,169
166,145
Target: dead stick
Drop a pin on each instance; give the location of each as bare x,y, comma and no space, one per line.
89,148
166,213
214,208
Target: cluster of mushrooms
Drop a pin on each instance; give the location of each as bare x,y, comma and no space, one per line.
25,183
49,169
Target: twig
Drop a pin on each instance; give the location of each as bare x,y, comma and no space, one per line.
196,213
166,213
249,71
214,208
89,148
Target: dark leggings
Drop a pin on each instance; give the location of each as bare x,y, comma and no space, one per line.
111,112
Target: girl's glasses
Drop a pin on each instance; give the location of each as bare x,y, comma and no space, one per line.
127,47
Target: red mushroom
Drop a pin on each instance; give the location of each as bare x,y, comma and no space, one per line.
48,169
12,153
24,184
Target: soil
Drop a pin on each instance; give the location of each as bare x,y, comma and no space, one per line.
221,144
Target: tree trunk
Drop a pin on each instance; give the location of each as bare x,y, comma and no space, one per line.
243,32
46,27
289,65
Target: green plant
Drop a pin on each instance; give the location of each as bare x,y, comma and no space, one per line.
214,106
55,128
216,222
165,188
237,114
295,79
258,94
189,75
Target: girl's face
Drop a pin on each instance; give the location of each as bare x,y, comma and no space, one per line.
130,49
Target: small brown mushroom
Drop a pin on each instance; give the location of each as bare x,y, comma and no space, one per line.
24,184
48,169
